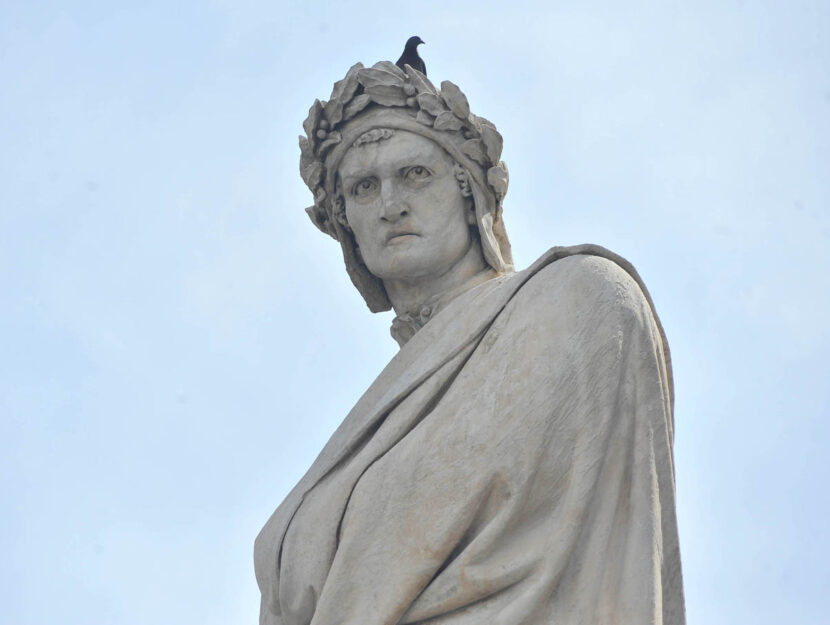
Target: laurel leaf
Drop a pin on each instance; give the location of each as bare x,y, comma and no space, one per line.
493,141
344,90
312,174
310,123
356,105
333,112
390,67
333,138
456,100
306,154
497,177
424,118
485,122
421,82
476,150
387,95
447,121
430,103
319,218
372,77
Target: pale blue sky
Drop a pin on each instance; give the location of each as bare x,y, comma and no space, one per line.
177,341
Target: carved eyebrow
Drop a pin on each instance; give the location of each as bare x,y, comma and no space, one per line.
348,179
416,158
357,175
416,155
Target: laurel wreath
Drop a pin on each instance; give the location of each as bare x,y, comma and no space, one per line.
388,85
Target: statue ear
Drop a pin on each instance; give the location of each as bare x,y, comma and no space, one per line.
340,216
339,206
463,178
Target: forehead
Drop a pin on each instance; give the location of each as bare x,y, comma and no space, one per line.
401,149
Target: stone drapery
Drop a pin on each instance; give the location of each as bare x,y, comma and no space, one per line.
512,464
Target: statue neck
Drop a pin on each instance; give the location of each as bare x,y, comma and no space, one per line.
416,301
410,295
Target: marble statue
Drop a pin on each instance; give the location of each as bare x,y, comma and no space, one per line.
513,462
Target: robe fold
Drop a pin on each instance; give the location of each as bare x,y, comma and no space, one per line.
511,465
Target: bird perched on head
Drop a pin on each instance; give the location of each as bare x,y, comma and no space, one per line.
410,55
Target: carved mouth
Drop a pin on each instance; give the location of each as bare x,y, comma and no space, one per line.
394,237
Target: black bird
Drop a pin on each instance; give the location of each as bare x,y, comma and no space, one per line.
410,55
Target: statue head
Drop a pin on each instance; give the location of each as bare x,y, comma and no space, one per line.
390,140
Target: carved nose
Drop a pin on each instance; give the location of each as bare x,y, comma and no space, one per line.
393,209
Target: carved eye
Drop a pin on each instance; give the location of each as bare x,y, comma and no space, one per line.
364,188
417,173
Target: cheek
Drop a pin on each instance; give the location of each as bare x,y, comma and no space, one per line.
449,209
357,222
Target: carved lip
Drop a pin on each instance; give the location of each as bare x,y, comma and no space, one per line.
396,234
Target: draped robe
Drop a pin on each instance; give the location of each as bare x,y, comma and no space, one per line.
511,465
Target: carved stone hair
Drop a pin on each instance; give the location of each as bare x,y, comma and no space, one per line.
373,136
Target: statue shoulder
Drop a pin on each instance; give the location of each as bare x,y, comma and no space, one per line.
584,287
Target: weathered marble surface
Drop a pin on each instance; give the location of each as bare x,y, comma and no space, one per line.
513,462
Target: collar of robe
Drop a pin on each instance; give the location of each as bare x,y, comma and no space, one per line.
407,323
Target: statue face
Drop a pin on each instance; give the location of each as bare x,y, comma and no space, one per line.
405,207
